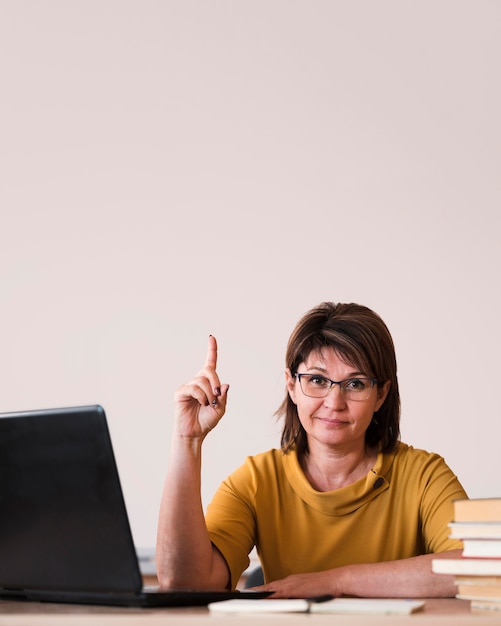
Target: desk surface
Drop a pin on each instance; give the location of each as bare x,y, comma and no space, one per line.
442,612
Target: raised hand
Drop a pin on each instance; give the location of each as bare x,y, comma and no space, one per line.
201,403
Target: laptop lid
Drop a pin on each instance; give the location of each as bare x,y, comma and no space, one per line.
64,530
63,522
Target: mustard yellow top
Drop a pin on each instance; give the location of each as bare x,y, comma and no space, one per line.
400,509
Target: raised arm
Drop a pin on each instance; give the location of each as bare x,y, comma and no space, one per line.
185,556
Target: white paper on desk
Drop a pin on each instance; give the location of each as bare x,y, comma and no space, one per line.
266,605
386,606
381,606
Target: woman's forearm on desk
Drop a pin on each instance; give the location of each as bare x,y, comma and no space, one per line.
406,578
185,555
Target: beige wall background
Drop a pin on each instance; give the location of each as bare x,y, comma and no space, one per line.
178,168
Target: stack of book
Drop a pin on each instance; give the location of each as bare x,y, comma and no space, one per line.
477,523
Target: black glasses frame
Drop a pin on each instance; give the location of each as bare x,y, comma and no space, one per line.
298,375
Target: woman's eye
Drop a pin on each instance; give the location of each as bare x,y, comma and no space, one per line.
356,384
318,381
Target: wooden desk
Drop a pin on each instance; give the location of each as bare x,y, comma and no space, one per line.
438,612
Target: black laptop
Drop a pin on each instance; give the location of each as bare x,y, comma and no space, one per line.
64,530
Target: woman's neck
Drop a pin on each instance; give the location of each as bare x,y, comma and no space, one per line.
328,469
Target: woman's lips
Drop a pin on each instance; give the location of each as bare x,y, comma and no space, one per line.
332,421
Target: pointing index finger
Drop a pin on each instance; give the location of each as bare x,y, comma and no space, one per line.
211,360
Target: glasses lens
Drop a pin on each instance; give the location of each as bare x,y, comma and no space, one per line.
314,386
357,388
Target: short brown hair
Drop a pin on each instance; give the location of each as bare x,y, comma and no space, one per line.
361,338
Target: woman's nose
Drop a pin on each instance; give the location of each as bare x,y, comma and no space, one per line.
335,397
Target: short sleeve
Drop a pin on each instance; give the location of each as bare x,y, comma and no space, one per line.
439,488
230,520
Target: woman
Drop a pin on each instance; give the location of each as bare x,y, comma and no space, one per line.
344,508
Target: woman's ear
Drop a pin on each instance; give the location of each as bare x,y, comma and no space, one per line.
382,392
290,382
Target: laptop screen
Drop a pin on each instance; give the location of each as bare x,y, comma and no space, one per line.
63,522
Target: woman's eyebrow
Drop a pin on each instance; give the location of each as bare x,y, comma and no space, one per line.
321,369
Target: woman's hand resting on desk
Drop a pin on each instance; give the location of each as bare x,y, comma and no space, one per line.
301,586
201,403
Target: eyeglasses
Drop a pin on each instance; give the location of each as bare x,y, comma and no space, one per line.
317,386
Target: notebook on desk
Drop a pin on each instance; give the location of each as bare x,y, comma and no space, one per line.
64,530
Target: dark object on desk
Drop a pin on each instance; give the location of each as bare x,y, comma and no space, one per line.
64,530
255,578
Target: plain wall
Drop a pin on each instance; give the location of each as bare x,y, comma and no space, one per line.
178,168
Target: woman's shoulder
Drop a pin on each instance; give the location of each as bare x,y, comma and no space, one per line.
259,469
406,450
268,458
405,455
